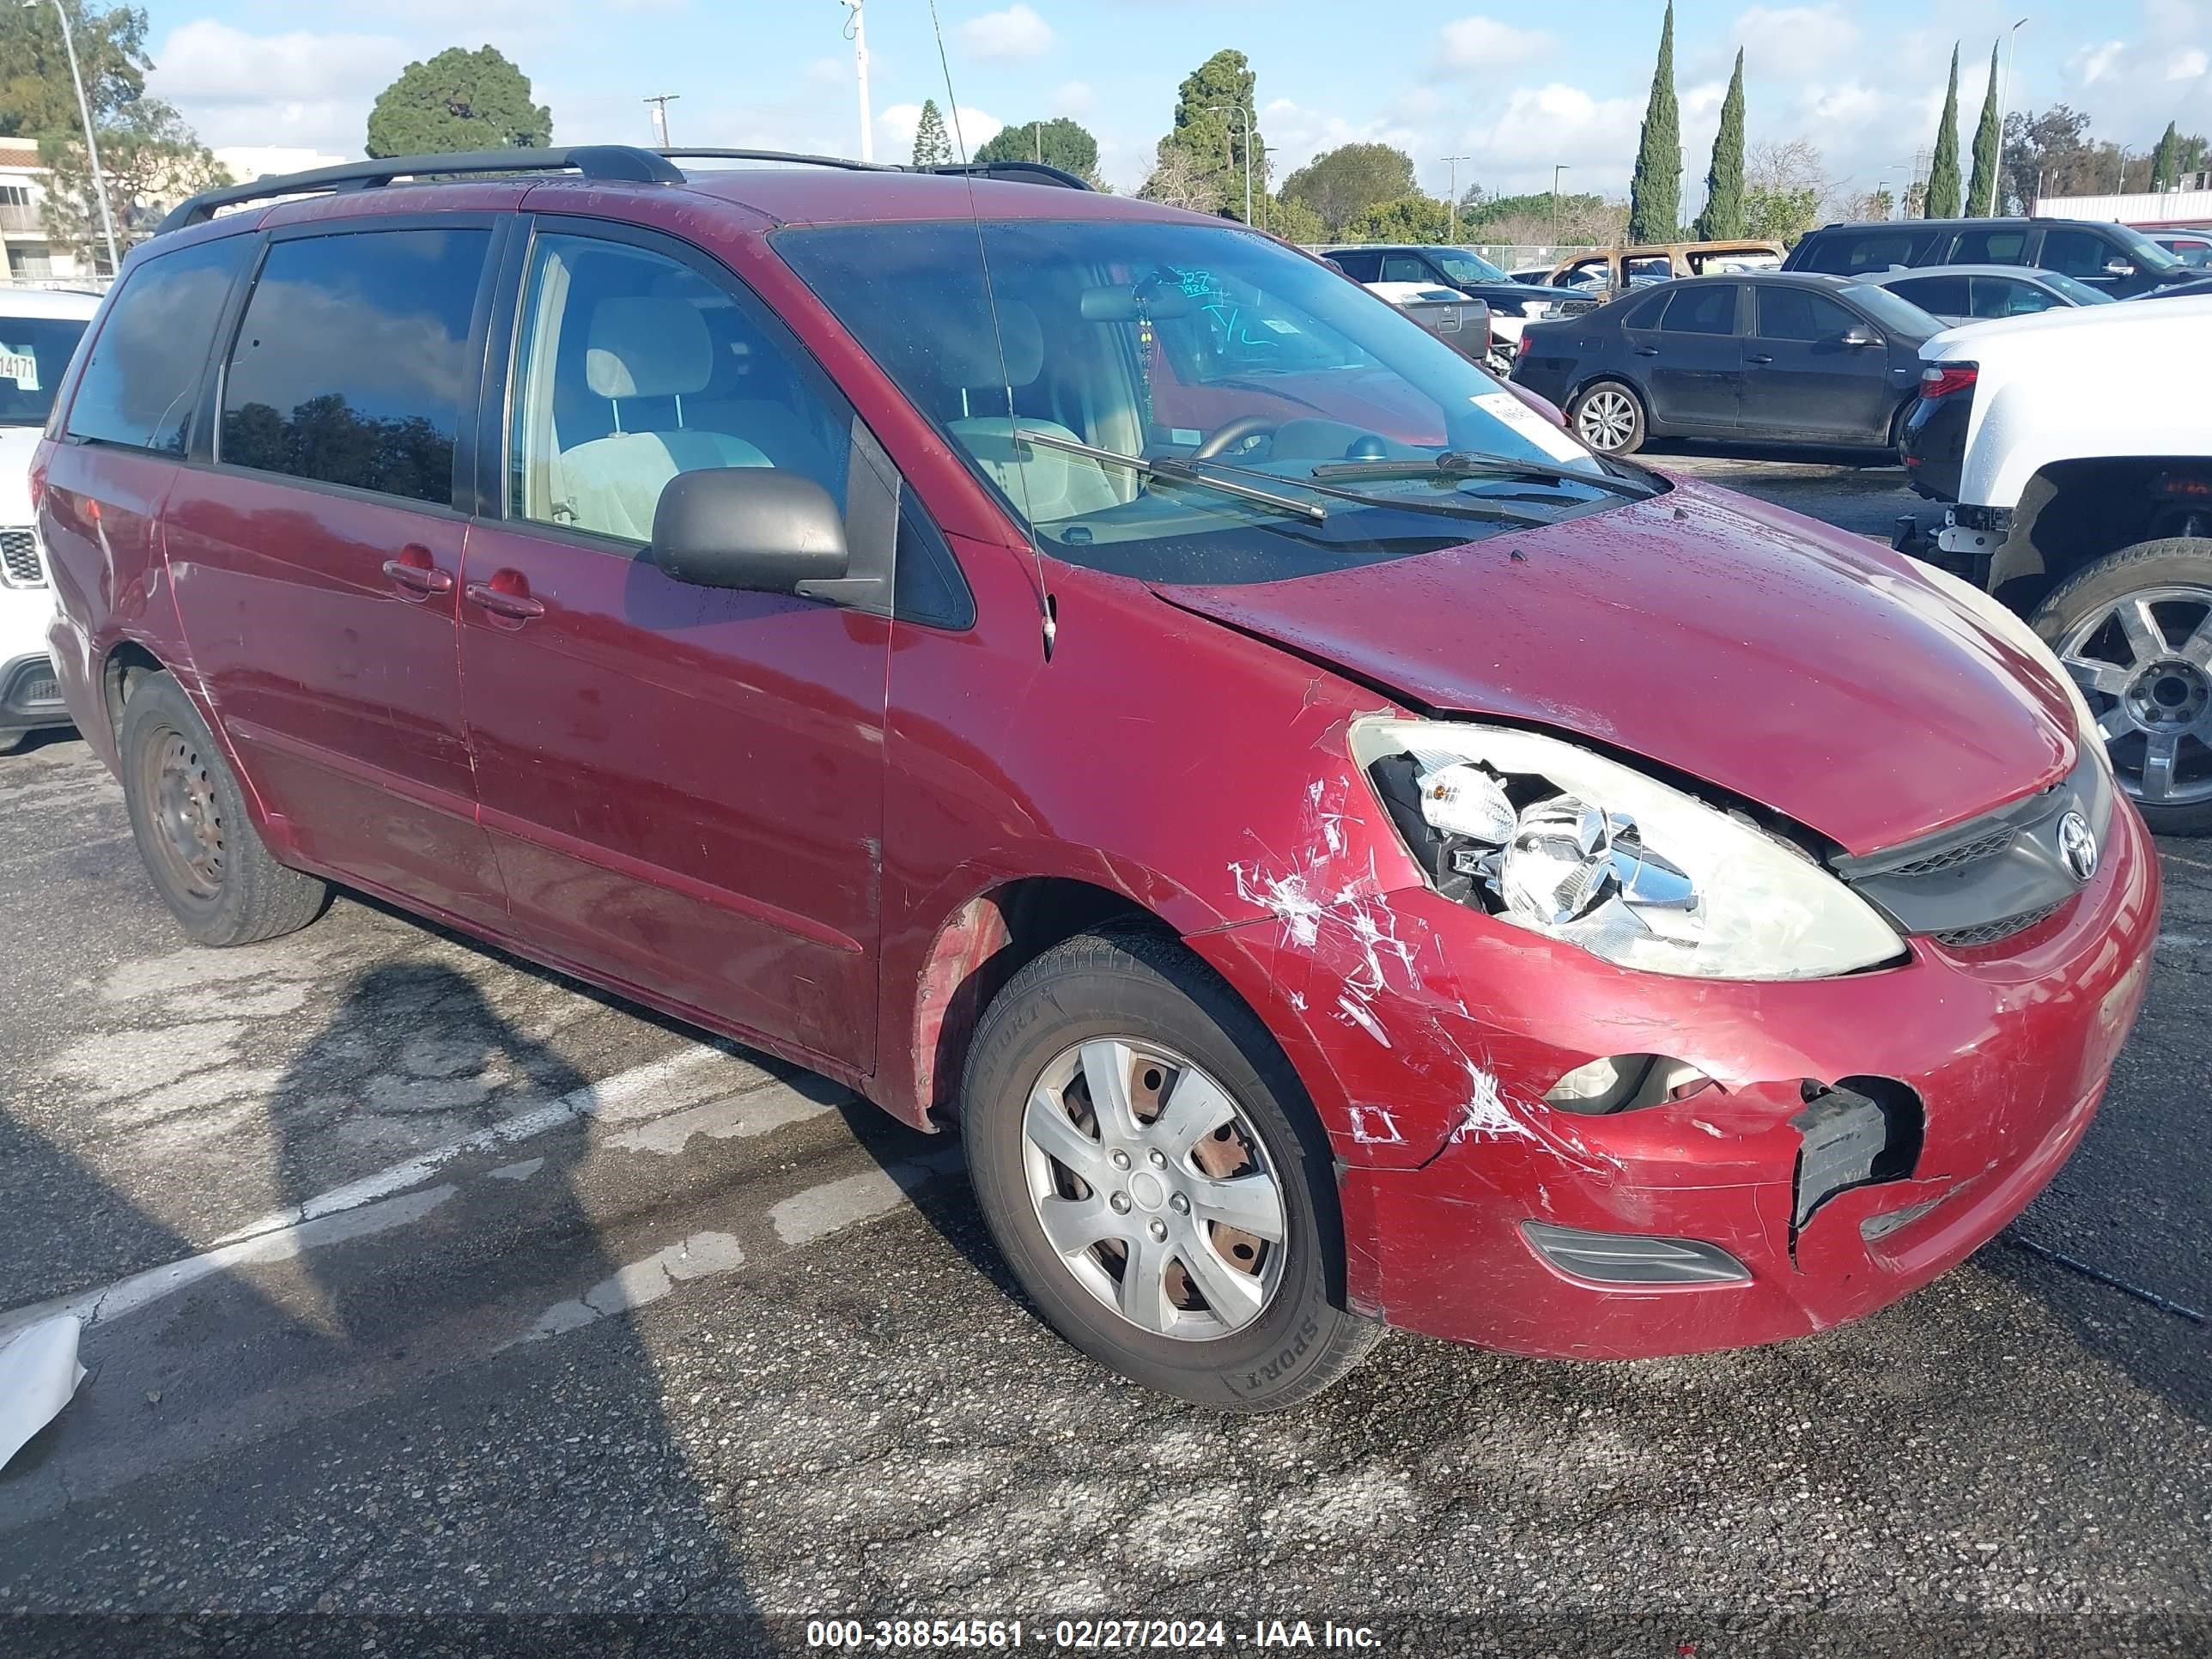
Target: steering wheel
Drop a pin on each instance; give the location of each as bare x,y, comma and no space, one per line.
1237,431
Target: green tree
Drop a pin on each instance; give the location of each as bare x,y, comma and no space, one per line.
1982,193
1654,195
1059,142
1943,176
458,101
1724,214
1288,217
150,160
930,146
2165,158
1780,214
1411,218
2047,155
37,100
1203,154
1340,184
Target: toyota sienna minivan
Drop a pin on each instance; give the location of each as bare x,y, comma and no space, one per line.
1085,675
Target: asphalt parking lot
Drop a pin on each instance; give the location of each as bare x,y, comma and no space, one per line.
420,1281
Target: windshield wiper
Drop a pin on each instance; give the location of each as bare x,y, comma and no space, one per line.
1458,507
1179,472
1454,466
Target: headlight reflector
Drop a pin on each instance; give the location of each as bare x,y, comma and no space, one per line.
1567,843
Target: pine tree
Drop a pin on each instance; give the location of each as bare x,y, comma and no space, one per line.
1982,193
1724,214
1654,195
931,147
2165,158
1943,176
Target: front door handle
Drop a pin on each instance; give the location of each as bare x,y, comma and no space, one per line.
518,607
1647,351
1758,357
413,571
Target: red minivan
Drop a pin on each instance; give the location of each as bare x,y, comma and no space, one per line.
1343,854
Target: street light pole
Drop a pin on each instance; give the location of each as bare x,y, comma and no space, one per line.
2004,97
1564,167
1245,115
859,33
91,140
1453,235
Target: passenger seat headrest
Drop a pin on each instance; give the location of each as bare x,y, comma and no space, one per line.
972,347
648,346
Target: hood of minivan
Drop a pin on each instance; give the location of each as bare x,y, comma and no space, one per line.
1787,663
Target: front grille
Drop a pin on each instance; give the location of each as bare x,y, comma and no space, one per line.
1973,851
1967,938
19,559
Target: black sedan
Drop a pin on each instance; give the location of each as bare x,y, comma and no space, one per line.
1758,356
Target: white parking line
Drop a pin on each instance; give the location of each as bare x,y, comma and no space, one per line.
703,1255
837,1205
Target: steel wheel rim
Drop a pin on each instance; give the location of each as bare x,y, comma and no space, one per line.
2144,663
188,827
1606,419
1153,1190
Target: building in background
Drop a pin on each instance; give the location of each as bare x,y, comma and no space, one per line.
22,220
2147,210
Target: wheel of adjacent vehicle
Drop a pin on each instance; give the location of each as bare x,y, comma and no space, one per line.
1152,1172
207,860
2135,631
1608,416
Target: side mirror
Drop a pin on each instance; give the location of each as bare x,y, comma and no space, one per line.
748,527
2119,268
1856,337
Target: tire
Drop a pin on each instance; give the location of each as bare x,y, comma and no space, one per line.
2155,677
225,890
1608,416
1285,1336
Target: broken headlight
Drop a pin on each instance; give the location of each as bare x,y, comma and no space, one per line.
1569,844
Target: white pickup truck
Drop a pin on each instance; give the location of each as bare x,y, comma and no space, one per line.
2075,449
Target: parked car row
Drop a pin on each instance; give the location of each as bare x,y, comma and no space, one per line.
1076,671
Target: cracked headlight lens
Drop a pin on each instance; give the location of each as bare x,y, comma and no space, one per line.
1581,848
1986,610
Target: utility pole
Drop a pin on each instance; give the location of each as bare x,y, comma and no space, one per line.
1453,234
1037,135
91,138
1564,167
2004,97
660,100
1245,115
857,28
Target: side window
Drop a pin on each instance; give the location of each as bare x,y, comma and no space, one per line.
139,383
1990,247
1700,310
927,586
2077,253
1793,314
1599,269
352,364
1360,267
1999,296
1847,254
1944,296
1646,314
1405,268
632,368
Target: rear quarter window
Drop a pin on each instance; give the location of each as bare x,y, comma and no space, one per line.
1845,253
140,384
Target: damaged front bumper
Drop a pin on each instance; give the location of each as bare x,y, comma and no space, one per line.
1844,1142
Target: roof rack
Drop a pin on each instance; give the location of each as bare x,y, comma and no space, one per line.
1037,173
1029,172
622,163
843,162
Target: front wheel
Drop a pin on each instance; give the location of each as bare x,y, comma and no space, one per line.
2133,630
1609,417
1152,1173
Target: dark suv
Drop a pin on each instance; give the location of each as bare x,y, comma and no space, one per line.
1086,673
2117,258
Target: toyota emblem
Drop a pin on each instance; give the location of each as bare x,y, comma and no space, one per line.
2077,845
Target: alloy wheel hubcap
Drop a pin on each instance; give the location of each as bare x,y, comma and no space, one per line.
1607,419
2145,665
1153,1188
188,816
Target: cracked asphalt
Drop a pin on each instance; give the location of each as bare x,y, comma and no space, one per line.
683,1332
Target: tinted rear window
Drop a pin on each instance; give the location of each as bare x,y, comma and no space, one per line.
352,364
1843,253
1946,296
1700,310
139,384
33,353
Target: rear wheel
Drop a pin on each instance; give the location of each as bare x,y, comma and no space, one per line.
1150,1169
2133,630
1608,416
188,816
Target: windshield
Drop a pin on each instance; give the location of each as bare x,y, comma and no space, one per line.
1464,267
2147,254
2195,255
1894,312
1180,355
2079,292
33,352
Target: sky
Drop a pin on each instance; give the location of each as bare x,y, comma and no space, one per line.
1516,89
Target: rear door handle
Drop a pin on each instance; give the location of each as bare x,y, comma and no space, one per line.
1758,357
520,607
1647,351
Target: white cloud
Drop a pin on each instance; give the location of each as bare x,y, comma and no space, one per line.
1556,125
895,130
1297,134
1483,45
297,89
1015,33
2187,67
1789,43
1074,99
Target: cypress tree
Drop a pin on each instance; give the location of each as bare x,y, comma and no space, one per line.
2165,160
1724,214
1943,176
1981,194
930,146
1654,196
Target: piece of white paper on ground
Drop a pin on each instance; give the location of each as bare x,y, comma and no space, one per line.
38,1373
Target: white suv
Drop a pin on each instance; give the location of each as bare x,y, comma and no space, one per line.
39,331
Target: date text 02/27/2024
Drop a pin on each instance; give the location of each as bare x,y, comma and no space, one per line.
1083,1635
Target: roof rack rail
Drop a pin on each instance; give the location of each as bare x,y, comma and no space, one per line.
843,162
622,163
1037,173
1031,172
